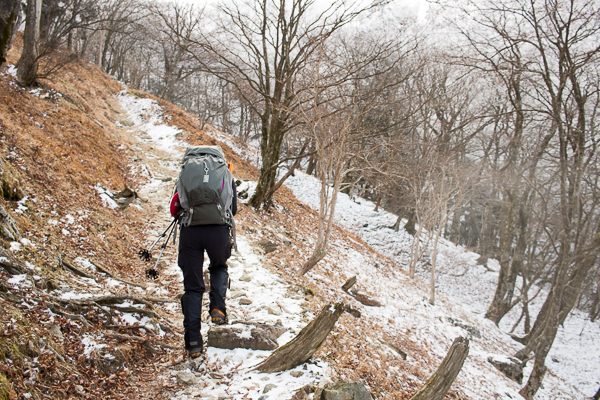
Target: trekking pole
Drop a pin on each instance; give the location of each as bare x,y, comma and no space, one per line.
144,254
152,273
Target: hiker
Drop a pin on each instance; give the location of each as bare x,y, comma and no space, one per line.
205,201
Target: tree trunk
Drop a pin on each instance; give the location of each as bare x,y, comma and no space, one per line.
28,63
378,201
270,150
312,165
326,212
303,346
510,265
438,385
433,264
455,227
396,226
410,222
10,16
100,52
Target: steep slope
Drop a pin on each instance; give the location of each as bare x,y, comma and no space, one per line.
69,146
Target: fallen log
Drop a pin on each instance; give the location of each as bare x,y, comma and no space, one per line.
78,271
303,346
438,385
349,283
111,299
140,340
105,271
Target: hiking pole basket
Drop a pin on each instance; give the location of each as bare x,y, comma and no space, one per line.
145,254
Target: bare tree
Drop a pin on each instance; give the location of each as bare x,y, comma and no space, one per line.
555,45
261,48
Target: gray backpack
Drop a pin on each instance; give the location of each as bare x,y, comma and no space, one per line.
205,187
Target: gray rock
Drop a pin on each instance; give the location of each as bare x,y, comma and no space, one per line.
182,367
296,374
10,229
235,295
56,332
302,393
345,391
245,337
274,309
268,246
509,366
186,378
127,122
245,301
269,387
246,278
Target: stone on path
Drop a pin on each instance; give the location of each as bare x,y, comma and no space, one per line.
245,278
296,374
186,378
269,387
255,336
245,301
274,309
235,295
344,391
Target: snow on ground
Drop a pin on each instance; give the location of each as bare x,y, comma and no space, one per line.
576,352
469,286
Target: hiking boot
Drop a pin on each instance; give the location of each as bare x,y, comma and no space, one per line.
218,317
197,359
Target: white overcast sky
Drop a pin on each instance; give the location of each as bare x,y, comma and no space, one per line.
397,9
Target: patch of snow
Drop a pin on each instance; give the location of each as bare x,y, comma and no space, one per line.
11,70
19,280
27,242
91,344
21,205
15,247
106,196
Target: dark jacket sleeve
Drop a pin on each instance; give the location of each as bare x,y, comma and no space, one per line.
234,201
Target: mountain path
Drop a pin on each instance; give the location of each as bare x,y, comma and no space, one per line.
226,373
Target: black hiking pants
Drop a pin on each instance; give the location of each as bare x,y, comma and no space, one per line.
194,240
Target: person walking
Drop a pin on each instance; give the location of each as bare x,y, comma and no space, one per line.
205,201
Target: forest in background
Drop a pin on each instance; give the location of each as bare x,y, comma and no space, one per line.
477,125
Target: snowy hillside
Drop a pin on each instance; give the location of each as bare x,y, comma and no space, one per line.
468,287
576,351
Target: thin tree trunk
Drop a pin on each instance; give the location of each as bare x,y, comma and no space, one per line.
433,264
378,201
396,226
327,210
